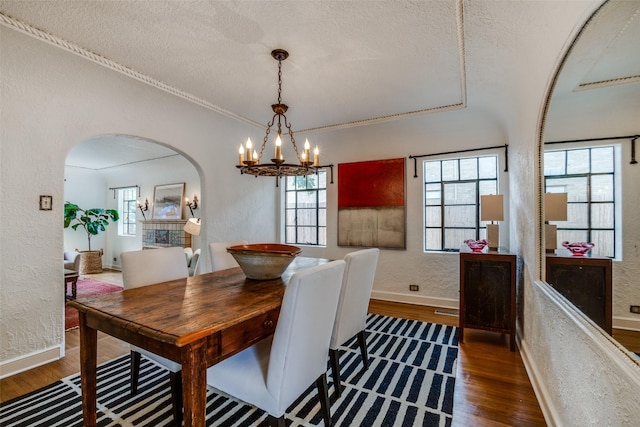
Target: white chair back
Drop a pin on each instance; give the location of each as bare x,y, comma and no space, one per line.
301,339
353,305
150,266
220,258
194,262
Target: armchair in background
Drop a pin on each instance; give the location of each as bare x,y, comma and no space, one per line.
72,260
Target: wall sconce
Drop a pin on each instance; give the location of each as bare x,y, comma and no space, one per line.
491,209
193,226
555,209
144,208
192,205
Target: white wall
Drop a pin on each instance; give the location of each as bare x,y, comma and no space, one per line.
86,189
582,377
437,274
51,100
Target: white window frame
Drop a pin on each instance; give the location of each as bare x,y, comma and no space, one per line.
124,226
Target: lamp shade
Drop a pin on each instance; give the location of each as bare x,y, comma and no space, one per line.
192,226
555,206
491,208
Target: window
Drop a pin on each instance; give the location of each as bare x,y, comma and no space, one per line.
452,190
306,209
587,175
127,209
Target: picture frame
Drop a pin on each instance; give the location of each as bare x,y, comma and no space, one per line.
168,201
372,204
46,203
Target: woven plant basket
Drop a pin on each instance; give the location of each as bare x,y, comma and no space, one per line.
91,262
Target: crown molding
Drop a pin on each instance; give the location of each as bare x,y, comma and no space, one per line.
27,29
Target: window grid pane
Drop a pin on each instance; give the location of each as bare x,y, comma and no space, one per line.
452,190
306,209
588,178
128,204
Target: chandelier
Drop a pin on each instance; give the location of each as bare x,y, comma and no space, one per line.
249,159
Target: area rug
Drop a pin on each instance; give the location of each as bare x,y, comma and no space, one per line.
410,382
86,288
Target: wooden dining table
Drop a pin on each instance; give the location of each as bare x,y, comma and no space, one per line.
197,322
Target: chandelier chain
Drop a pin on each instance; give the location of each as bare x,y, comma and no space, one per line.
280,81
278,167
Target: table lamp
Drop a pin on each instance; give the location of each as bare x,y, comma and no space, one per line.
555,209
491,209
193,226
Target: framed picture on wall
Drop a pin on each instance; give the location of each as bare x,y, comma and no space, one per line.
168,201
371,204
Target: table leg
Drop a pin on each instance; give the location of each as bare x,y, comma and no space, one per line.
74,288
88,361
194,384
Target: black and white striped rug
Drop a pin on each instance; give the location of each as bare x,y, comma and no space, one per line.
410,382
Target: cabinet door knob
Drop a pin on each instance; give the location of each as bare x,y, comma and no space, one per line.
268,323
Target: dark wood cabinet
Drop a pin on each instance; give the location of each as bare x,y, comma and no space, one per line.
488,293
586,283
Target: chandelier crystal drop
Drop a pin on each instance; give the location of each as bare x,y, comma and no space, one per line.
249,159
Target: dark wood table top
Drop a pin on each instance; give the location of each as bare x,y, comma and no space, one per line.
197,322
183,311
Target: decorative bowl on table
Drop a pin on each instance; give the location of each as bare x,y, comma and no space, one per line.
476,245
578,248
264,261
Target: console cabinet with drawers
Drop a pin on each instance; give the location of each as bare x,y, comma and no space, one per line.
586,283
488,293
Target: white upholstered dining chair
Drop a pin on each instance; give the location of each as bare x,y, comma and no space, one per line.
220,258
353,305
273,373
148,267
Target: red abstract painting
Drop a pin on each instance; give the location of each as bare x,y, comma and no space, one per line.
371,204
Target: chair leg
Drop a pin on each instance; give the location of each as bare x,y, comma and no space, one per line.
276,422
323,395
334,356
175,378
362,341
135,371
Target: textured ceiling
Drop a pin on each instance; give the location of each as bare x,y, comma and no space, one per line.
351,62
348,60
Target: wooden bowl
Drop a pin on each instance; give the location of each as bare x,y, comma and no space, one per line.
264,261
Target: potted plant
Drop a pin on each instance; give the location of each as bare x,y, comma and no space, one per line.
93,222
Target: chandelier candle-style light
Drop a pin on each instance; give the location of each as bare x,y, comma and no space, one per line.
249,158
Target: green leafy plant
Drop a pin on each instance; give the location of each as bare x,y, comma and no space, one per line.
93,221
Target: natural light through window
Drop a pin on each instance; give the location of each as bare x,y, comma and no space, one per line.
127,210
588,176
306,209
452,190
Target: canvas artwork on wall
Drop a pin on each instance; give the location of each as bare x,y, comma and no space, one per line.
371,204
168,201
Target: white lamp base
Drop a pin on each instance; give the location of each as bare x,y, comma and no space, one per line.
493,236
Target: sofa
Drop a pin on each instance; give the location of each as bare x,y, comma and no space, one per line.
72,260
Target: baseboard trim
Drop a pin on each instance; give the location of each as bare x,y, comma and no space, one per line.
24,363
547,409
415,299
626,323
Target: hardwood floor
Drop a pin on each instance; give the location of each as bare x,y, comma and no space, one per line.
492,387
